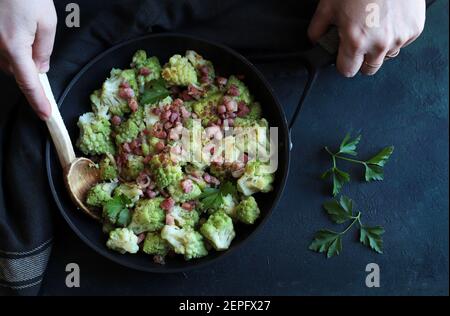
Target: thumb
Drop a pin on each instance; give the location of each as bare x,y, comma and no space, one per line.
319,24
27,77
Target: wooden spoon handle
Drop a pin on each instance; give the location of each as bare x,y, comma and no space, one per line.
57,128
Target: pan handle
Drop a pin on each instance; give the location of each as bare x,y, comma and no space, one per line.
321,55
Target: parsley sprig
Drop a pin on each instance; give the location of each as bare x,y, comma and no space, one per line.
340,212
373,166
212,198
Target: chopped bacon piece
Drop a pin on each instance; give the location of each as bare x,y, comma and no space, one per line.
230,104
165,116
174,117
132,103
147,159
185,113
187,185
185,96
221,81
170,220
150,193
221,109
160,134
116,120
141,238
160,146
126,93
126,147
210,179
156,111
243,109
177,103
144,71
187,206
124,85
233,90
168,204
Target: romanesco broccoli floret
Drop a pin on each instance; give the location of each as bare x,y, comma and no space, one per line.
165,171
177,193
205,108
155,245
184,218
108,168
122,240
133,166
130,129
244,93
107,100
95,136
179,71
148,216
198,62
100,193
256,178
219,230
147,68
184,241
247,210
131,192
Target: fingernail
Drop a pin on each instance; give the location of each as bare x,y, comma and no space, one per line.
44,67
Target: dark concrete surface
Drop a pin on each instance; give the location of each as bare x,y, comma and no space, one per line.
405,105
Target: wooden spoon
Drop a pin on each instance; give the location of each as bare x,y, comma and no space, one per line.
80,174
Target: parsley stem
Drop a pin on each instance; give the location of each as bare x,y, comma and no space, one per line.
350,159
357,218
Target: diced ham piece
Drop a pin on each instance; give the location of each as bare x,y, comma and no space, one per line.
126,147
221,81
230,104
210,179
126,93
173,117
165,116
221,109
141,238
170,220
177,103
159,146
187,206
243,109
233,90
144,71
132,103
168,204
187,185
116,120
150,193
124,85
185,113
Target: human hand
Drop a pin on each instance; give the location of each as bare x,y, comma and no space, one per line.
364,47
27,33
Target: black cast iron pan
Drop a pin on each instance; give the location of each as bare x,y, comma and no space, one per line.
75,101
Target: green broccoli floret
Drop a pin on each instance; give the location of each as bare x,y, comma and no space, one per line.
95,136
177,193
155,245
133,166
108,169
179,71
148,216
247,210
165,171
100,193
184,218
244,93
184,241
107,100
131,192
130,129
205,108
255,178
147,69
219,230
198,62
123,240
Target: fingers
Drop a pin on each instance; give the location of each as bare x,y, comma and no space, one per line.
349,60
27,78
319,24
373,62
43,46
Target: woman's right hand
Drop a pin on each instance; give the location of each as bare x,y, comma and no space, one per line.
27,33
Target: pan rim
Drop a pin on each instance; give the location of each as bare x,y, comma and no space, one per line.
252,234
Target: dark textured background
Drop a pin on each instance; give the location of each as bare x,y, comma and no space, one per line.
405,105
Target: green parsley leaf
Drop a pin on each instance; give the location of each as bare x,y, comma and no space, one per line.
339,179
124,217
113,207
339,211
212,198
348,145
372,237
154,91
327,241
374,166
